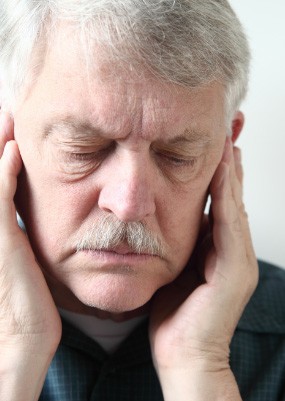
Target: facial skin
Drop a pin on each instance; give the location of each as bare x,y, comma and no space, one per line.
149,158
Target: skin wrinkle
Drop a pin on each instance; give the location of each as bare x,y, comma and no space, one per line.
87,142
85,130
133,183
189,163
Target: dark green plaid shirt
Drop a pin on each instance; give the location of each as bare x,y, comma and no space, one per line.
81,370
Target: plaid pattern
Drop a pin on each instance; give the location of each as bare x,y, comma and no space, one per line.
82,371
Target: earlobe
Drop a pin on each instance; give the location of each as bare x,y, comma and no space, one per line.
237,125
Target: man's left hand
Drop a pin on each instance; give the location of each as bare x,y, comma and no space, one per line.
194,318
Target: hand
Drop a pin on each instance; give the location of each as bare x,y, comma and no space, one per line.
30,326
194,318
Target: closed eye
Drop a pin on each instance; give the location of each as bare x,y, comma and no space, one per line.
178,167
76,162
88,156
174,160
177,161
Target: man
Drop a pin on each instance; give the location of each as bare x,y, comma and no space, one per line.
122,120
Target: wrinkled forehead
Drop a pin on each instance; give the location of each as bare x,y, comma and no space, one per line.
112,96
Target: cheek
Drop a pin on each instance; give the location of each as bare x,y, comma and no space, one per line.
52,211
180,221
187,210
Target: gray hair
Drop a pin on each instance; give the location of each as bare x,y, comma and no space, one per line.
108,233
186,42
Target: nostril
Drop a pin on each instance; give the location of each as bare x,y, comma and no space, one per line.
106,210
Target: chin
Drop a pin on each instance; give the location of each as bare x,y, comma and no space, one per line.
114,294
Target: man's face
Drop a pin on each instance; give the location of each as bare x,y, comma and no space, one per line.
137,150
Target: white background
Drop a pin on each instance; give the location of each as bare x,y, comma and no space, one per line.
263,138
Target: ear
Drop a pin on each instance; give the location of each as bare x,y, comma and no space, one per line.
237,125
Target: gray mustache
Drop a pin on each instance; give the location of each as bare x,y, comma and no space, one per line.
108,233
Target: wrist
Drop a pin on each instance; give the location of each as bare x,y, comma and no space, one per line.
197,384
22,373
200,355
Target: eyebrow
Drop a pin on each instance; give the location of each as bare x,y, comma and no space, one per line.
79,128
85,130
192,136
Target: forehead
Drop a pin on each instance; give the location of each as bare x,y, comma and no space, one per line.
115,99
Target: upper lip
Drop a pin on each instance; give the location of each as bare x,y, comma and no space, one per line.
123,249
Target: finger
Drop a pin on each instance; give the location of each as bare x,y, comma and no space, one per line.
211,219
10,166
236,176
227,229
204,228
6,130
238,164
237,189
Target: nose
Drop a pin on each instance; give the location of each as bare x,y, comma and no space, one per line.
128,192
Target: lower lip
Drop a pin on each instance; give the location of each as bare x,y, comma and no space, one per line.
118,258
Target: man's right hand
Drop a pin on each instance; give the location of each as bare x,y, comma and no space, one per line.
30,326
